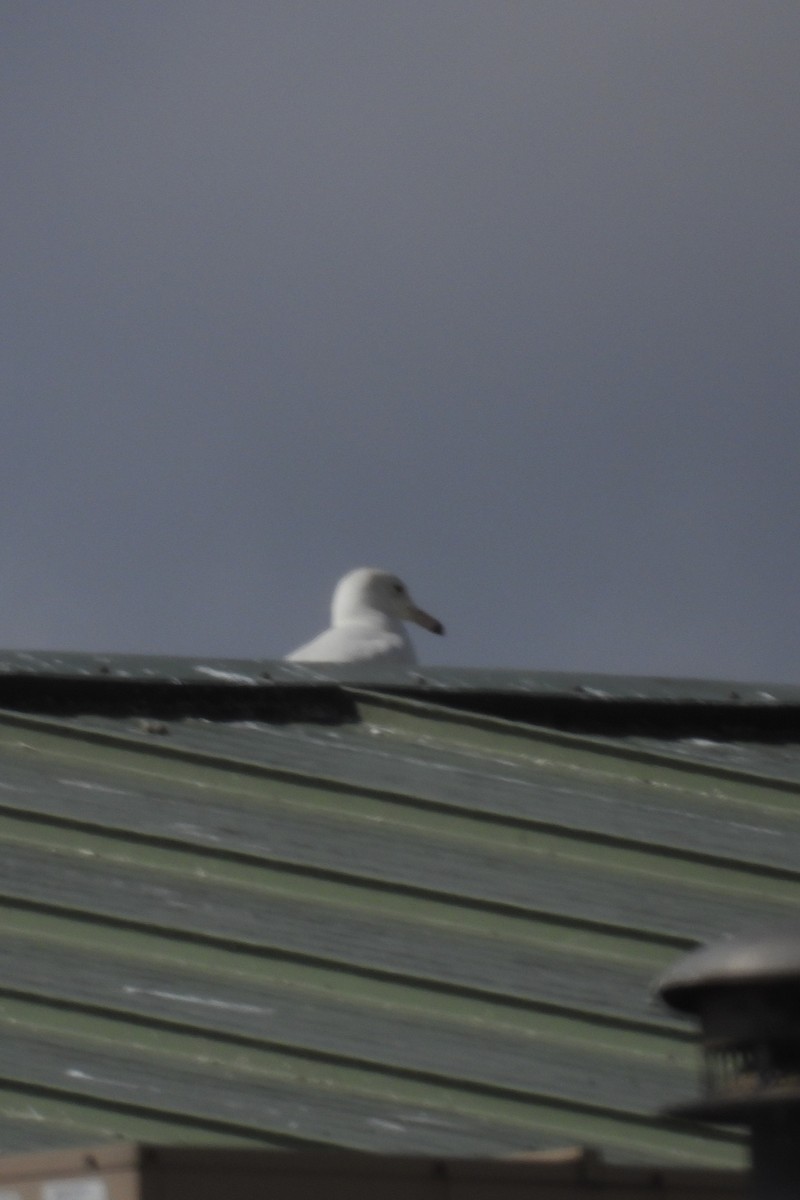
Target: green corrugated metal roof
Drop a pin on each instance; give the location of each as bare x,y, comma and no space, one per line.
306,912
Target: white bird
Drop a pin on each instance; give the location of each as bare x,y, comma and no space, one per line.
367,614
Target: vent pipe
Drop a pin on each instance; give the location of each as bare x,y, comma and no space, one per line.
746,995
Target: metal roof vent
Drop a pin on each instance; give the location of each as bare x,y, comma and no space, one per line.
746,995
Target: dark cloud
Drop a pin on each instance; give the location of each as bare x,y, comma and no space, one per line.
500,296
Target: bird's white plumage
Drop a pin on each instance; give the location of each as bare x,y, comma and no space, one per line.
368,612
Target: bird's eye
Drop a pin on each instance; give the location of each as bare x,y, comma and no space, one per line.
398,587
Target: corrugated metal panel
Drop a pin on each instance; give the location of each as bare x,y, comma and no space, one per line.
417,930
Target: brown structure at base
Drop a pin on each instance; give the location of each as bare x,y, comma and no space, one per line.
139,1172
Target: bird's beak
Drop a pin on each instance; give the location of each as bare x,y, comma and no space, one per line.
425,619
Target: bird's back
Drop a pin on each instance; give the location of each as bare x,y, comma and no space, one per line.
358,641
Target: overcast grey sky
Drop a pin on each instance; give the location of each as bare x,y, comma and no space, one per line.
502,296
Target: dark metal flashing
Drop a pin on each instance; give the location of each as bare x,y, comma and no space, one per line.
170,700
724,721
122,686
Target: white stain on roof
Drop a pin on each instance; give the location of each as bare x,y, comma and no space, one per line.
225,676
205,1001
74,1073
94,787
388,1126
